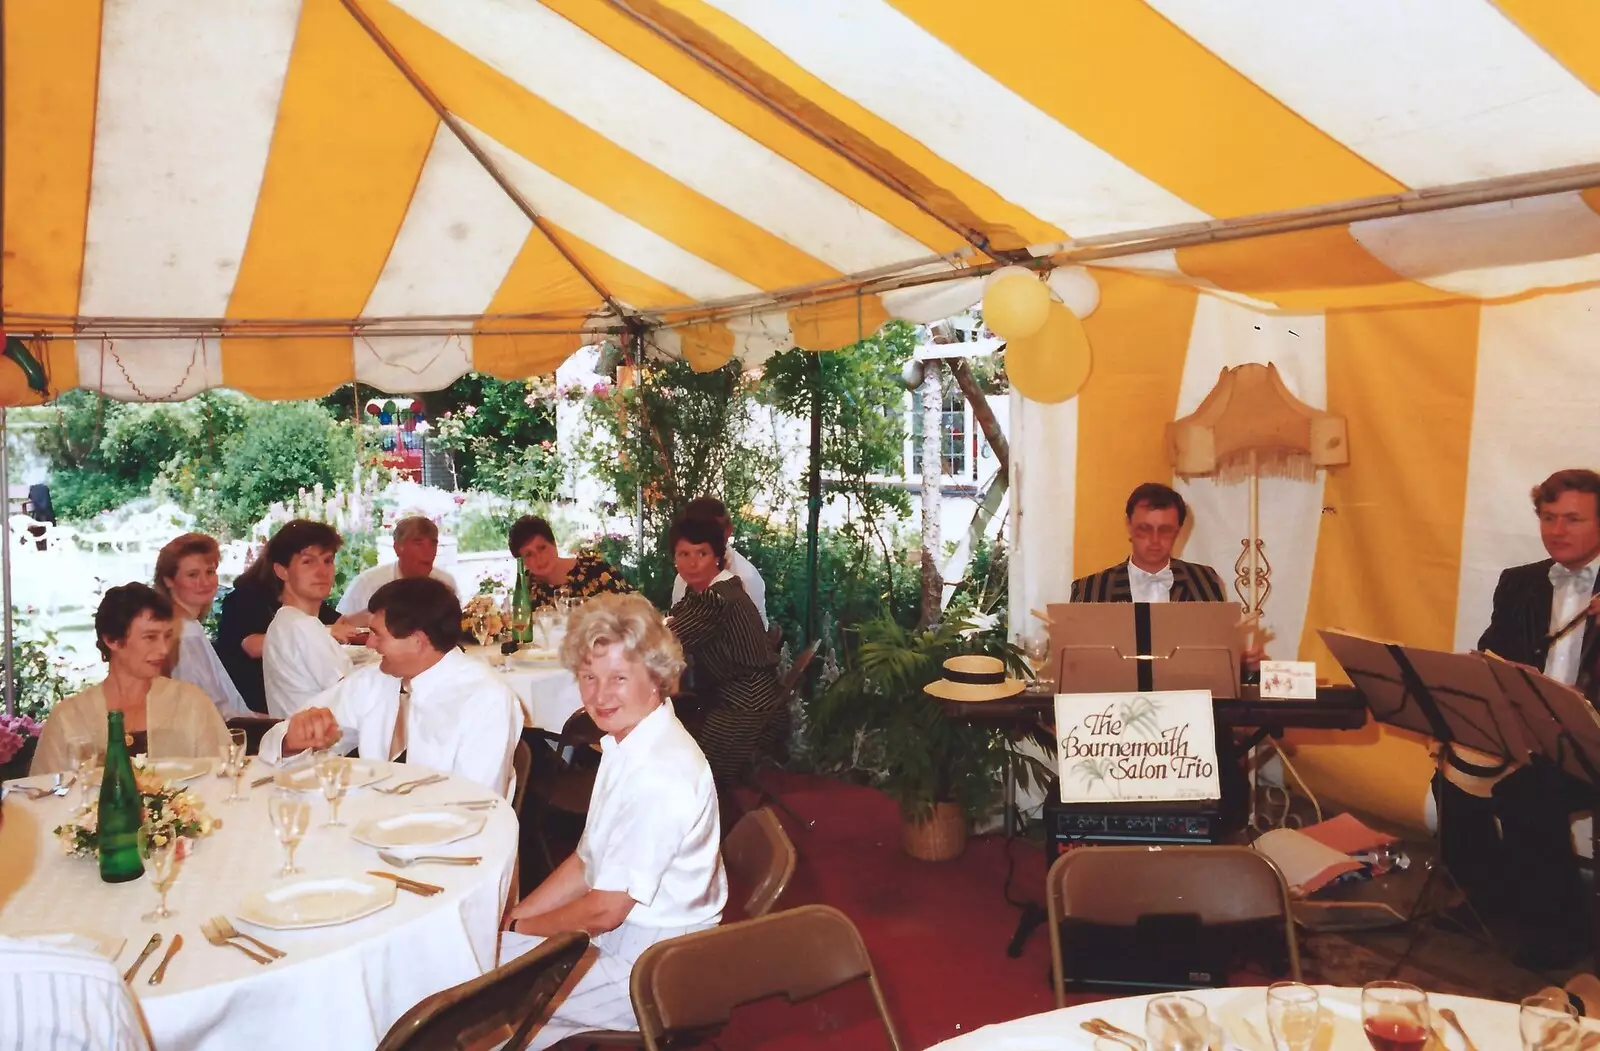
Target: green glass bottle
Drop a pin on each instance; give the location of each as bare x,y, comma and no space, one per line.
522,607
121,809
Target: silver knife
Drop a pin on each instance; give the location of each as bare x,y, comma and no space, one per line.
144,954
172,950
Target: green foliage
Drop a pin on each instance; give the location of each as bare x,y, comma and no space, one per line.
483,531
503,435
875,721
281,448
38,672
82,492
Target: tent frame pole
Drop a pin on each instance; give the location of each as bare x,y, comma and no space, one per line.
5,561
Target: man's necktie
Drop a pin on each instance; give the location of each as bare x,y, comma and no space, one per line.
397,743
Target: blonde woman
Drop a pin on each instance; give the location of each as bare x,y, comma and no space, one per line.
647,867
186,573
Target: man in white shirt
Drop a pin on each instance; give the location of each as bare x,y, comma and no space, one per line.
57,998
711,509
416,545
426,702
302,656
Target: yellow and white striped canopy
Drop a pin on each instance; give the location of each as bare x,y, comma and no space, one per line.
280,195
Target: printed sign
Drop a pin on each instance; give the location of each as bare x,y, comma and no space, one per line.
1136,747
1289,680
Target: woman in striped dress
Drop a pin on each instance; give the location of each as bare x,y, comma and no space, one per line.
735,670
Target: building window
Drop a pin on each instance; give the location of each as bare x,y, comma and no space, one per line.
955,430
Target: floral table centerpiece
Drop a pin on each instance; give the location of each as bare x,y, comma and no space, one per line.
171,812
19,737
481,618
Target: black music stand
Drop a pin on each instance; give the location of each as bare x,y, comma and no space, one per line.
1454,698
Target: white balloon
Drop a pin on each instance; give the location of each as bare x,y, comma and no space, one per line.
1076,288
1007,271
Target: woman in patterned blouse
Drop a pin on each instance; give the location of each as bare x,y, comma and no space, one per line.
551,576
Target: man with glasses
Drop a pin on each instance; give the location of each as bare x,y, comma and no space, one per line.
1156,514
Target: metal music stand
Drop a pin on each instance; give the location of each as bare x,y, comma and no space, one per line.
1124,647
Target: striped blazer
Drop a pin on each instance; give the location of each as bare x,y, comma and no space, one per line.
1191,582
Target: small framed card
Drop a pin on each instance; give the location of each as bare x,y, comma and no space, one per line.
1289,680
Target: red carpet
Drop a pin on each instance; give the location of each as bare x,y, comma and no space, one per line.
937,932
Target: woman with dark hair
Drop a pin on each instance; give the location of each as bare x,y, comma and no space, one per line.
735,670
247,612
550,576
186,575
133,630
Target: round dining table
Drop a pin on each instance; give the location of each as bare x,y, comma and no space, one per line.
548,691
1241,1015
339,986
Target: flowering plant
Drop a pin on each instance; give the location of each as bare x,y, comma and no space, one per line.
170,812
14,735
481,611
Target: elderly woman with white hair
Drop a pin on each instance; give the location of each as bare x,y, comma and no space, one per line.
647,867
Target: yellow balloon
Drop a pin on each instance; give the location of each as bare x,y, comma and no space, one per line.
1052,364
1016,304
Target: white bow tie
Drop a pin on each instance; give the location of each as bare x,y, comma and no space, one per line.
1163,577
1561,576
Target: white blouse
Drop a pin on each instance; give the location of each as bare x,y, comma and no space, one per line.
199,665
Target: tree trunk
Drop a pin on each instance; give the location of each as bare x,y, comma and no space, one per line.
982,413
932,472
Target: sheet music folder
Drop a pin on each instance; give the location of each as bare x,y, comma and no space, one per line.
1124,647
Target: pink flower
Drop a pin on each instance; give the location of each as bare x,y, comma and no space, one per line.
10,744
601,389
471,410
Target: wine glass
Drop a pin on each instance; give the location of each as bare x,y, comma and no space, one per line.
546,619
1395,1016
521,619
1036,647
290,817
1292,1015
234,763
480,627
333,773
86,759
1177,1023
163,861
1549,1022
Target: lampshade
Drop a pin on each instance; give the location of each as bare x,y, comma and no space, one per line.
1250,410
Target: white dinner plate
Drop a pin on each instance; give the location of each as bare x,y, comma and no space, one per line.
82,939
317,901
304,779
418,828
178,770
529,655
361,656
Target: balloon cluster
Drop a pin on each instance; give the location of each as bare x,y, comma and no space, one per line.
1047,350
388,411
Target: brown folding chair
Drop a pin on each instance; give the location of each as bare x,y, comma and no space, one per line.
507,1002
760,860
690,985
565,779
255,727
1118,885
790,684
521,763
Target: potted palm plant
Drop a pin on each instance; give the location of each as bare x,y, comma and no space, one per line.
875,721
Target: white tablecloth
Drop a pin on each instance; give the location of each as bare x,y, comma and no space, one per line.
340,988
548,692
1242,1015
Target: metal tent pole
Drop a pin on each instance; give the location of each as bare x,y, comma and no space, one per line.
5,560
814,503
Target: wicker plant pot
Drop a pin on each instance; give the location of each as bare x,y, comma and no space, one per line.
941,837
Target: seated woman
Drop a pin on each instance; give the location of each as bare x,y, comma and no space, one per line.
133,629
247,612
647,867
186,575
550,576
735,670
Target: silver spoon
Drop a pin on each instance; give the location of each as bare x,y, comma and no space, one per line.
426,859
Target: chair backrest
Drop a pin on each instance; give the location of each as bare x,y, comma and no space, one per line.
760,860
1117,885
692,983
521,765
255,727
797,670
506,1002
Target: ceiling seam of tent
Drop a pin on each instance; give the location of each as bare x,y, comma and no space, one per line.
478,154
974,237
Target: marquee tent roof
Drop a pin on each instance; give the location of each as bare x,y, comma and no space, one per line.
278,195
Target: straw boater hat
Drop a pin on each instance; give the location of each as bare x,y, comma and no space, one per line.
974,677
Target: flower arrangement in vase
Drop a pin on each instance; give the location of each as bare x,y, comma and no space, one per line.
171,812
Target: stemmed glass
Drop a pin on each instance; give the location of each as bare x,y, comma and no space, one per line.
546,619
1292,1015
234,763
1549,1022
480,627
86,759
520,620
333,773
1036,647
1395,1016
1177,1023
163,861
290,817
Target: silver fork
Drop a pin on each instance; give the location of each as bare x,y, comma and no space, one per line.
405,788
215,937
60,787
426,859
228,930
